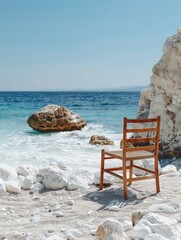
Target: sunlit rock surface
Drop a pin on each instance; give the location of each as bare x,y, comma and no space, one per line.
163,96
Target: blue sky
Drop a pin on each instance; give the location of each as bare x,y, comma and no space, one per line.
68,44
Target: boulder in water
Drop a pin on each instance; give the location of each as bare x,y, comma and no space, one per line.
102,140
53,118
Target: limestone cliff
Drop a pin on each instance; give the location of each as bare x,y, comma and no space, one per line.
163,96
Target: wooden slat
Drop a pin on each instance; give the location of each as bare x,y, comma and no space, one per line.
132,179
132,130
148,139
108,158
113,169
136,157
143,177
147,120
145,148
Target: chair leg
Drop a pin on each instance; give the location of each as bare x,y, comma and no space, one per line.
130,172
124,181
102,170
157,176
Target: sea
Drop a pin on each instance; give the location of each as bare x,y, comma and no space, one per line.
103,112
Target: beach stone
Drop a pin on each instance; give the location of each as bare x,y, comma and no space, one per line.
7,172
28,182
54,118
102,140
25,170
110,229
53,177
12,186
163,97
155,223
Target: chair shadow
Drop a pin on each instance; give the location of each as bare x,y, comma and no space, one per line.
113,197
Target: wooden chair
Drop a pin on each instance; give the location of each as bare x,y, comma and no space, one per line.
142,145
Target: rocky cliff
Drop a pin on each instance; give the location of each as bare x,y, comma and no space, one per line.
163,96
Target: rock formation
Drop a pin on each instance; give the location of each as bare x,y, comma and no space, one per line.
102,140
53,118
163,97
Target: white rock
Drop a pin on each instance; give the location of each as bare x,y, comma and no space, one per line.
21,179
155,223
13,186
127,225
168,169
76,182
53,177
36,187
110,229
163,97
26,170
7,172
28,182
162,207
141,231
2,187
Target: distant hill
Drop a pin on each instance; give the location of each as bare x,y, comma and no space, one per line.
128,89
118,89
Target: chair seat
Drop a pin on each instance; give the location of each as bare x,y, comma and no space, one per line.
130,155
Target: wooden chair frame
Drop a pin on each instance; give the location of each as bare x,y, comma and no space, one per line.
152,132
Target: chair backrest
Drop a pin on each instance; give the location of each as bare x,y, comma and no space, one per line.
145,135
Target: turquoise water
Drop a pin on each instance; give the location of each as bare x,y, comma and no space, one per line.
103,112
